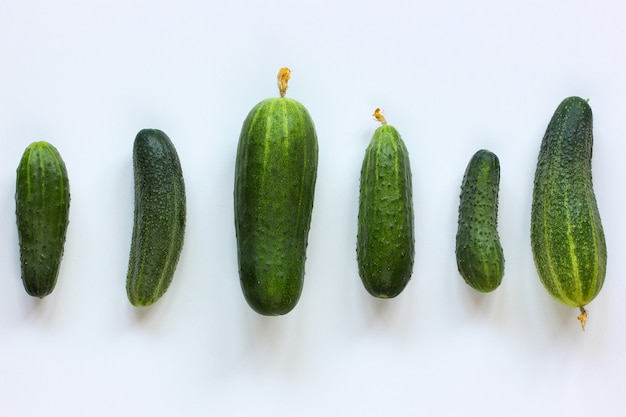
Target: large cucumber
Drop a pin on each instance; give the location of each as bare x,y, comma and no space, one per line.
479,254
42,200
385,241
567,238
275,174
159,219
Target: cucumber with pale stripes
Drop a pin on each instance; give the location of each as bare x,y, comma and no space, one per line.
275,175
567,238
479,254
385,241
42,200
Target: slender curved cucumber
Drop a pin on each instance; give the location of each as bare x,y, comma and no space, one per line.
275,174
385,241
42,200
159,218
567,237
479,254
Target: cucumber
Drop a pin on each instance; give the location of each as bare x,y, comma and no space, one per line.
479,255
385,242
159,217
275,174
42,204
567,237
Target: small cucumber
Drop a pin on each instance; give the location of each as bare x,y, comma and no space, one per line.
479,255
385,241
566,233
275,174
159,218
42,200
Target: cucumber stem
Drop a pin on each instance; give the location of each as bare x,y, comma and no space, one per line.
583,317
378,115
284,74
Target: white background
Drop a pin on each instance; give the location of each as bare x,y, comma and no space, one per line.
452,76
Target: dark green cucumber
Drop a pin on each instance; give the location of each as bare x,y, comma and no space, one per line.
479,255
567,238
42,200
159,218
275,174
385,241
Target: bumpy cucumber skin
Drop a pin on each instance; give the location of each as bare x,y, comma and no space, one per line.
479,254
159,217
385,238
567,238
275,175
42,200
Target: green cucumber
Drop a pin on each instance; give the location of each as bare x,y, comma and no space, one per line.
159,217
385,242
42,200
567,238
479,255
275,174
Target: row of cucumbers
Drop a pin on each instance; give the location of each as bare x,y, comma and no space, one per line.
275,175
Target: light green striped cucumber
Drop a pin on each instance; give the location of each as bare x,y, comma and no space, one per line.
159,220
275,174
42,200
479,254
567,238
385,241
